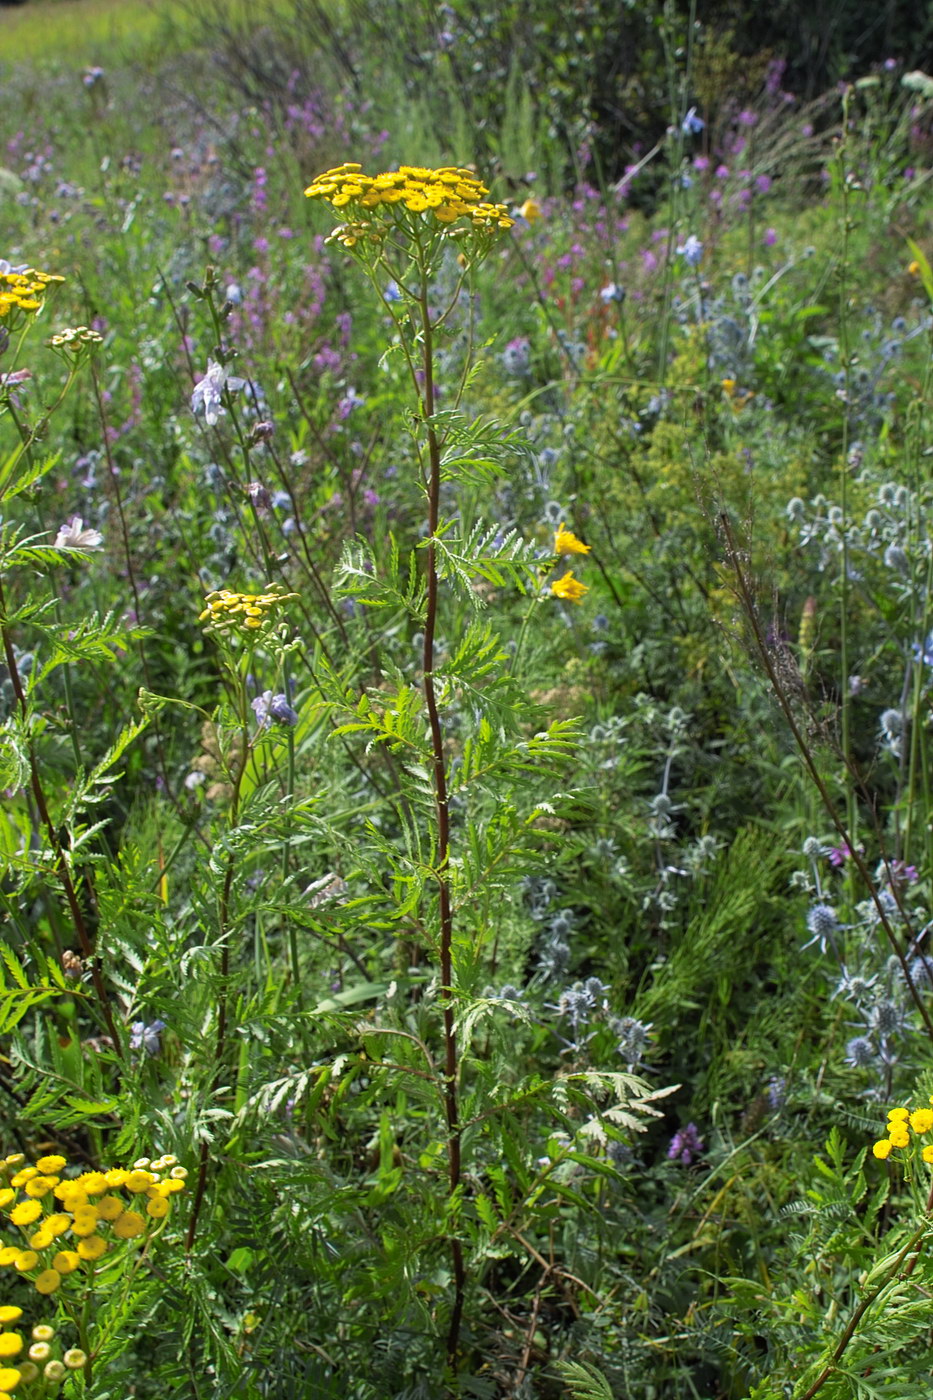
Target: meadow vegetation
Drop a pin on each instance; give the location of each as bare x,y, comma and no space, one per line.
466,551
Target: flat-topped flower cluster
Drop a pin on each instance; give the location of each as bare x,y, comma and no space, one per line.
447,194
226,609
66,1223
23,289
901,1122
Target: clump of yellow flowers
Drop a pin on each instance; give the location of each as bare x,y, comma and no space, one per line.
23,290
246,612
66,1224
444,195
901,1122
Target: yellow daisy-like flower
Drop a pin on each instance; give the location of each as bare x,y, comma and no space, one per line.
48,1281
28,1259
94,1183
66,1261
11,1344
49,1165
109,1207
158,1207
898,1115
71,1196
9,1255
75,1358
138,1181
922,1120
10,1378
42,1332
899,1136
26,1212
882,1149
40,1186
92,1248
530,210
116,1177
128,1225
566,542
21,1177
6,1196
568,588
42,1238
85,1222
57,1224
10,1314
927,1155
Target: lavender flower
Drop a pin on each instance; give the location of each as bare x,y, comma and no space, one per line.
691,250
685,1144
268,707
148,1038
209,390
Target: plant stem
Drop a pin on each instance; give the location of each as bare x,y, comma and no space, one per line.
912,1247
61,864
451,1106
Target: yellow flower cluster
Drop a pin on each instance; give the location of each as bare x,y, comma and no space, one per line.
900,1123
447,194
40,1353
568,588
250,611
73,1221
24,291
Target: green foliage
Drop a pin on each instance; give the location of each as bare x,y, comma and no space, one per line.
521,974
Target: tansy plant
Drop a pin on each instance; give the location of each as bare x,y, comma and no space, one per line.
469,743
77,1241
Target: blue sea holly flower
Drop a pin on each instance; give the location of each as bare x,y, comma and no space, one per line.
822,924
692,125
691,250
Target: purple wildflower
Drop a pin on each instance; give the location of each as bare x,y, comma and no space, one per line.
685,1144
148,1038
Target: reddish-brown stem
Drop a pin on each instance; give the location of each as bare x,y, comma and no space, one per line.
910,1253
451,1106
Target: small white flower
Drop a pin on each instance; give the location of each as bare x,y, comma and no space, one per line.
73,535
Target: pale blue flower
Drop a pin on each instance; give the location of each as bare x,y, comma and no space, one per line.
691,250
